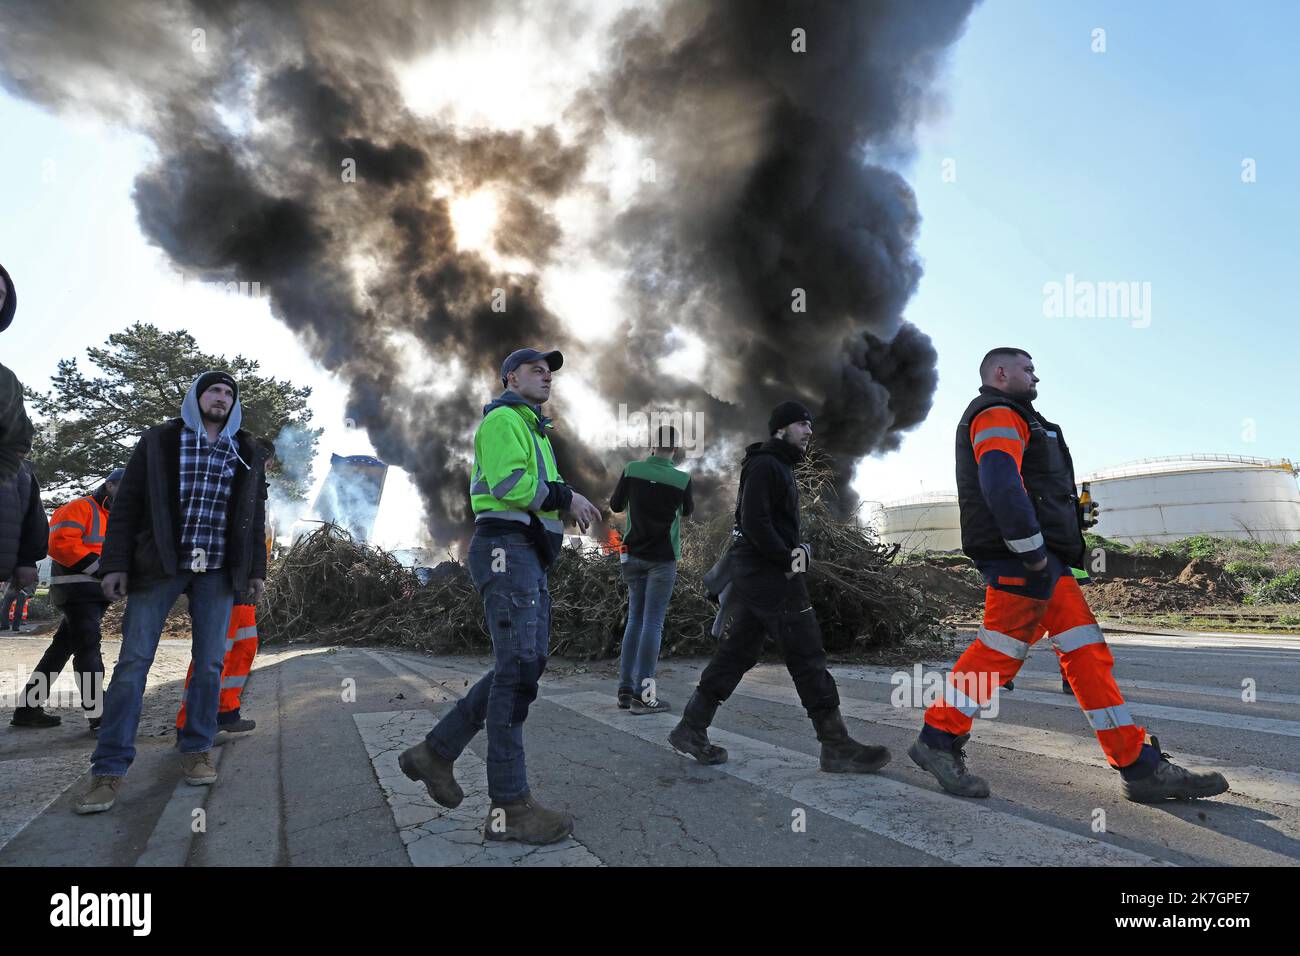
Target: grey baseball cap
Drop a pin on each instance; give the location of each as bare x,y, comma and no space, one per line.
519,356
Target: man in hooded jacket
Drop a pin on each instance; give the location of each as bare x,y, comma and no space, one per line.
188,518
519,501
768,597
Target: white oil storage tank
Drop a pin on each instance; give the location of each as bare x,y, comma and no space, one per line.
1228,496
929,522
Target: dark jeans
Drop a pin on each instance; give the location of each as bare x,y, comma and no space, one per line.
508,575
787,616
649,588
77,638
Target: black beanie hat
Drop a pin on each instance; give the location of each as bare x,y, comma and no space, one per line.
11,300
208,379
786,413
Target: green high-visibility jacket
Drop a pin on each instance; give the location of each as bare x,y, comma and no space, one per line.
513,461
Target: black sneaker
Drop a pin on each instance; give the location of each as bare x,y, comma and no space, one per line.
94,724
625,696
655,705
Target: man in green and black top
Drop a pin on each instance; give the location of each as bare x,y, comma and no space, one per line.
657,496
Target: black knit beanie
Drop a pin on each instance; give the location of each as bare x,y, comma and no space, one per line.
208,379
787,413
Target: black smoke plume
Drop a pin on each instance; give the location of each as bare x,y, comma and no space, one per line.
771,127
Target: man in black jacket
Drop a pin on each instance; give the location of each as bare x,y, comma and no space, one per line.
15,426
188,518
24,530
768,596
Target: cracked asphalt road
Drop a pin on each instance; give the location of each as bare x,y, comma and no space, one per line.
317,783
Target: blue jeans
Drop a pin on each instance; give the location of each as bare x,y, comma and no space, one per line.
509,577
211,598
649,587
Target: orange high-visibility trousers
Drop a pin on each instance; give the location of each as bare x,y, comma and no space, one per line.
1012,624
241,648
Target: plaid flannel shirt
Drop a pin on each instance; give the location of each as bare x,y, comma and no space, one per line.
207,476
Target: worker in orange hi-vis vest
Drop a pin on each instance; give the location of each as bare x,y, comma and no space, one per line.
76,543
1021,524
241,648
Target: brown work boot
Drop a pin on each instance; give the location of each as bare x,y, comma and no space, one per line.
100,797
198,769
527,821
426,765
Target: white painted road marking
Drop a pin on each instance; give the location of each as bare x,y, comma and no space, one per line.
950,829
434,835
1261,783
1187,715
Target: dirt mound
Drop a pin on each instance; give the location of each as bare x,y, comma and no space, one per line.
1208,578
1145,595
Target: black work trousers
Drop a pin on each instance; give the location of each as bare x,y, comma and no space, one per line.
781,610
77,638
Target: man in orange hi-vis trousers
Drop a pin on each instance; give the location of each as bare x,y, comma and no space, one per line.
1020,523
241,648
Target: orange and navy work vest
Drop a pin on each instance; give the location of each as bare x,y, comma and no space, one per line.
76,542
1047,472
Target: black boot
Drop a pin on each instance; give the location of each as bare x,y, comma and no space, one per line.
840,752
1168,781
34,717
691,737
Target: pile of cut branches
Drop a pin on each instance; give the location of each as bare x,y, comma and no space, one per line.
330,588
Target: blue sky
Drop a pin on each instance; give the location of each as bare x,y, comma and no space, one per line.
1115,166
1122,166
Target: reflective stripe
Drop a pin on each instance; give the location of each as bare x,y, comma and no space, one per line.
542,491
59,579
480,487
230,643
246,632
511,515
552,524
92,567
68,524
1077,637
1108,718
232,682
955,698
1004,644
542,474
1010,433
503,486
96,535
1022,545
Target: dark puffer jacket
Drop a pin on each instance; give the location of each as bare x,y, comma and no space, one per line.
24,529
